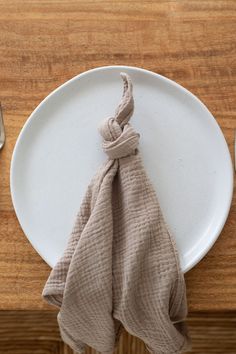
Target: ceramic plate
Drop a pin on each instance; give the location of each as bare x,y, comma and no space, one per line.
183,150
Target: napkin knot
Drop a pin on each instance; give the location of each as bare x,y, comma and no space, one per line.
119,138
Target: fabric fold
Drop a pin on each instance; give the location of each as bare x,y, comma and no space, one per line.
120,268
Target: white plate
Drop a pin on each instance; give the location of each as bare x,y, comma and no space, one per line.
183,149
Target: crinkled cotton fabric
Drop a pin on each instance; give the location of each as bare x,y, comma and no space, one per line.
120,268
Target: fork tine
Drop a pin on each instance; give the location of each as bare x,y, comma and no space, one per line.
2,130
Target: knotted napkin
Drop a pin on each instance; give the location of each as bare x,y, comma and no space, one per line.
120,268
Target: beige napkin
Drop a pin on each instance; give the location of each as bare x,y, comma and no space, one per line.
120,267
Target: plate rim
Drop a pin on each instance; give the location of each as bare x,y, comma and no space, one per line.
200,255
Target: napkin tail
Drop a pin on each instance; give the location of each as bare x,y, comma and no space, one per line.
53,291
81,282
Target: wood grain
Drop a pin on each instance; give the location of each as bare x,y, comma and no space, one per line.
44,43
27,332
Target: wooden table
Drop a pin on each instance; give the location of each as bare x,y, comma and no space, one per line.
45,43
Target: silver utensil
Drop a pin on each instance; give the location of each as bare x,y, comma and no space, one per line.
2,129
